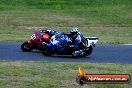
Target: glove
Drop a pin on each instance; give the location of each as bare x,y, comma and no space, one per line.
45,44
72,46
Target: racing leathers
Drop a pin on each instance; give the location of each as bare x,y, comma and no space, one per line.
76,40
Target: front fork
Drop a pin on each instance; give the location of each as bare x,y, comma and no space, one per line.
35,45
30,42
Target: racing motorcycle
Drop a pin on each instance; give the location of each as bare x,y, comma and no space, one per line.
36,41
61,44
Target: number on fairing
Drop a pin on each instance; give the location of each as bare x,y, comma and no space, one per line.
33,36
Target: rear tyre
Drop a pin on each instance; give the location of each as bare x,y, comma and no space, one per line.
26,47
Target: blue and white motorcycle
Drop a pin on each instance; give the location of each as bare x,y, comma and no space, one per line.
60,44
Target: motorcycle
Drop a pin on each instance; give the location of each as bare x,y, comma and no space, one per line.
61,44
36,41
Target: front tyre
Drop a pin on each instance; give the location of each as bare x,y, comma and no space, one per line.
26,47
88,51
47,52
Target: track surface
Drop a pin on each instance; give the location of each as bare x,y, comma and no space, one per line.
101,54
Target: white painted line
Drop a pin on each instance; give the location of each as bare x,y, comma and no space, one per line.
125,44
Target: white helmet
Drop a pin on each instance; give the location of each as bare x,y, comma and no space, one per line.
74,29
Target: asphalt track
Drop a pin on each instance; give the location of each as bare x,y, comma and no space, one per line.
10,51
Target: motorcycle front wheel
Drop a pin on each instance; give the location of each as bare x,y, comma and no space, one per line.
26,47
47,52
88,51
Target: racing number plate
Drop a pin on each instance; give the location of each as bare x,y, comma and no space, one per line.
33,36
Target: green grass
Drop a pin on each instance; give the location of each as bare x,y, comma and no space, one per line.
21,74
110,20
106,35
25,74
106,12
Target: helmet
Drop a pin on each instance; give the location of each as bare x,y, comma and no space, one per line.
52,32
47,31
74,31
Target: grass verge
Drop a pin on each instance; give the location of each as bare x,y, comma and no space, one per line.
28,74
110,20
107,35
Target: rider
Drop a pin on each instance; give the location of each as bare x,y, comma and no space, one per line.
50,33
75,37
73,34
